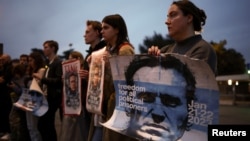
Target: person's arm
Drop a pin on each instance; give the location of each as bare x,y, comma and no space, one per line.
55,81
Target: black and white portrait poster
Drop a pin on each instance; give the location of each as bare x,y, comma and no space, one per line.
163,98
33,100
95,84
71,87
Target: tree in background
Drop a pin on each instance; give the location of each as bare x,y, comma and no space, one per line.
229,60
156,40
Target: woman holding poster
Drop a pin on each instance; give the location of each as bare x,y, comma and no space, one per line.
184,22
114,32
36,66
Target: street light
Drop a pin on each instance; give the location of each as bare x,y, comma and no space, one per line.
230,83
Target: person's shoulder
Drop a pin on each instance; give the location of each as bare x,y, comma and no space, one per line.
41,70
57,60
167,48
126,49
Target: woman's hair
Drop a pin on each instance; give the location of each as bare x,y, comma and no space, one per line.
117,22
39,61
199,15
77,55
19,69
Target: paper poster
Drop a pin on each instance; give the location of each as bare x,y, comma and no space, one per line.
164,98
95,84
33,100
71,87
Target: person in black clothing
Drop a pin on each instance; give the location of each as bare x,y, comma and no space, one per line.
52,88
5,99
93,37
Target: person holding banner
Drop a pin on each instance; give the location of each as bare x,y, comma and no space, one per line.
36,67
76,127
92,37
114,32
52,88
184,22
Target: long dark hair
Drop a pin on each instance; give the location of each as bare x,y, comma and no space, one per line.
39,61
117,22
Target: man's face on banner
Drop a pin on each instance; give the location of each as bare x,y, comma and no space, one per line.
36,100
73,82
165,100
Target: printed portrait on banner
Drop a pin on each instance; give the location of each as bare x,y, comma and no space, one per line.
163,98
71,88
33,100
95,84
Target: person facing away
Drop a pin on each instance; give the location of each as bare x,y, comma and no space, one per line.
115,34
166,98
52,88
76,128
184,19
36,66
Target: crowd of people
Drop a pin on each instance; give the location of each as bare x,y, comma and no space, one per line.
184,19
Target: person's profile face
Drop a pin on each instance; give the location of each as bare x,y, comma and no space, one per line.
47,50
177,23
108,32
90,34
164,99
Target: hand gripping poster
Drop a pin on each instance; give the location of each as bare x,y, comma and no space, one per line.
95,84
71,87
33,100
163,98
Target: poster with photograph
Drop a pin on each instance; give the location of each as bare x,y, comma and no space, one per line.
33,100
71,87
163,98
95,84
